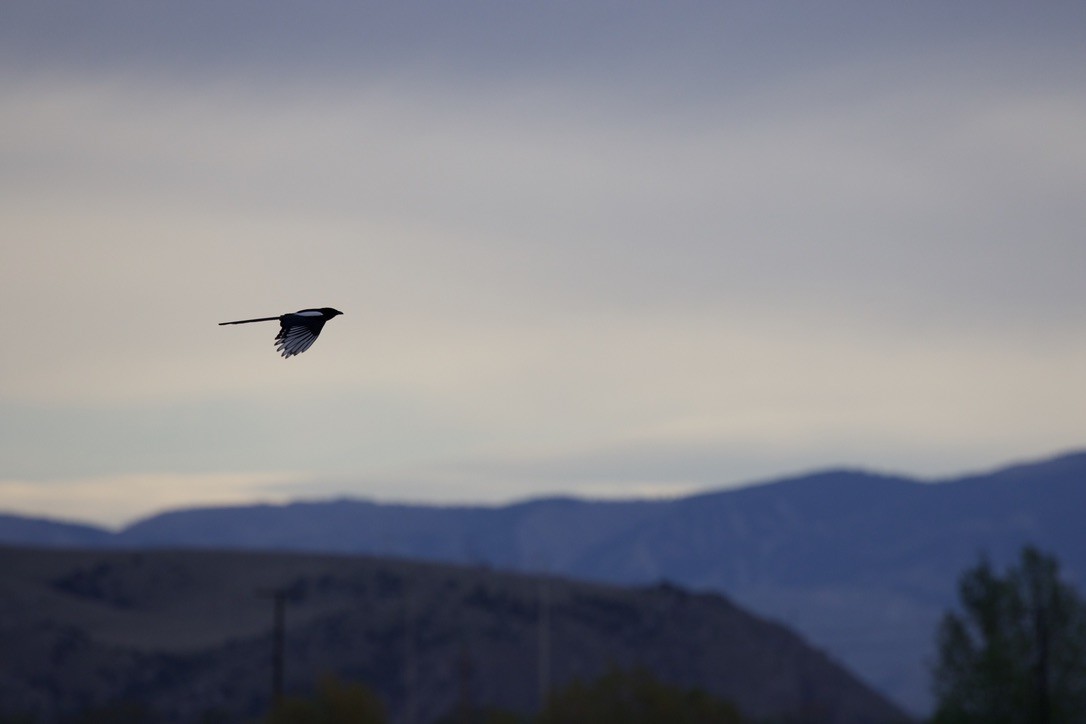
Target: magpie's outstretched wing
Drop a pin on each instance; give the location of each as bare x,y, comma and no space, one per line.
296,338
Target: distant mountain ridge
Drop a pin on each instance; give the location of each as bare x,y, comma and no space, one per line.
46,532
862,564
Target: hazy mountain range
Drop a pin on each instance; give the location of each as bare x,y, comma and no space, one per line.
187,636
862,564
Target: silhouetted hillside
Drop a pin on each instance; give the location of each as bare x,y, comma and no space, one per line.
188,634
861,564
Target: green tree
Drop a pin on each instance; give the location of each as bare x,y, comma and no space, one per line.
634,697
334,703
1016,654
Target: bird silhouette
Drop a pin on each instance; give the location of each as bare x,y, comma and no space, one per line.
297,330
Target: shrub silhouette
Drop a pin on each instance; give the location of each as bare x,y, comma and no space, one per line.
634,697
334,703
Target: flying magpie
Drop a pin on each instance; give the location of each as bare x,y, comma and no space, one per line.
297,330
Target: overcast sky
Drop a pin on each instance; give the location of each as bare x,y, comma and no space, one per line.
599,248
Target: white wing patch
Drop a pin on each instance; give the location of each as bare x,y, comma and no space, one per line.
294,340
310,313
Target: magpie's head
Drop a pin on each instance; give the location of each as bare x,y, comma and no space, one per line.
328,312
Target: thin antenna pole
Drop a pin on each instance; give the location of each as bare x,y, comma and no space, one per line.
544,662
279,629
464,674
409,673
279,604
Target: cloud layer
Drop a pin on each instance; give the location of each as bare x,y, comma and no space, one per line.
580,249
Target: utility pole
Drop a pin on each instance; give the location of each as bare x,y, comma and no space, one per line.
1041,601
467,709
279,603
410,673
544,662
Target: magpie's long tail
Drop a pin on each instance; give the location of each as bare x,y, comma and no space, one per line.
246,321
